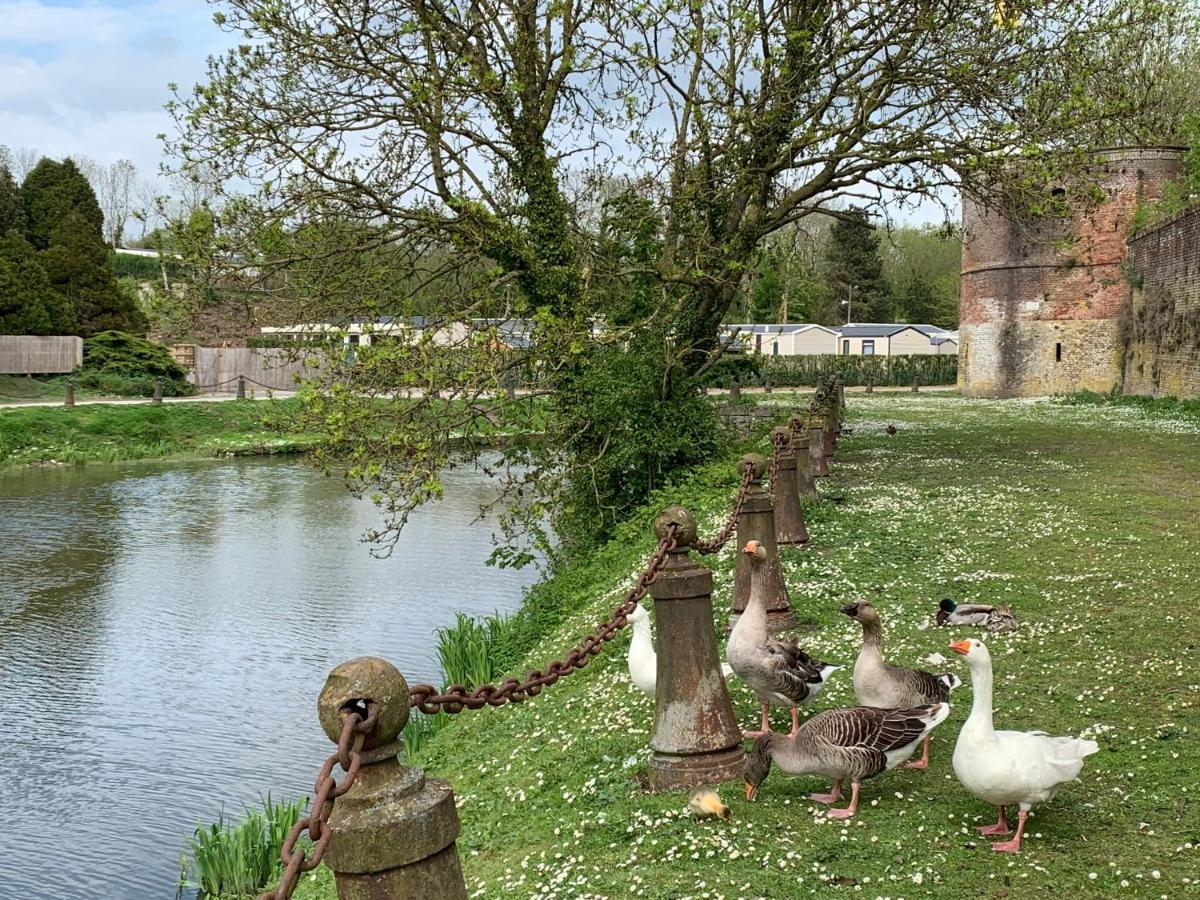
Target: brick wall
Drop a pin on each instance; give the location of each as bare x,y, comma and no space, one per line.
1041,301
1163,329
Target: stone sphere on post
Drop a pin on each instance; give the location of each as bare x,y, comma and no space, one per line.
695,739
790,530
393,833
680,517
757,523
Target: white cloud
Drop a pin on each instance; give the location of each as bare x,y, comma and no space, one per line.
91,78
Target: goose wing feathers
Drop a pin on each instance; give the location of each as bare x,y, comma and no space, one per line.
865,735
921,686
790,671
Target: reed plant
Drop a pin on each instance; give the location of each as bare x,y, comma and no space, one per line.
466,649
240,858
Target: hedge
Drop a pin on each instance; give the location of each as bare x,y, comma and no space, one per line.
808,371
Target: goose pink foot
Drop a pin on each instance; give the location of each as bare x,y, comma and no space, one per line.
1013,846
850,810
923,762
832,797
1001,826
766,724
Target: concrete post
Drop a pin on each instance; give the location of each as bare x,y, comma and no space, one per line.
816,450
829,428
790,530
392,835
735,390
69,396
870,389
767,385
696,738
841,401
806,488
757,523
241,387
158,390
915,385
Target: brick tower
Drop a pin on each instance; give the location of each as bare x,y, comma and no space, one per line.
1039,301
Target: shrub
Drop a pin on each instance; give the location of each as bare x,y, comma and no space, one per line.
808,371
123,365
747,367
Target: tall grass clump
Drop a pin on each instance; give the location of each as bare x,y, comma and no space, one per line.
239,859
465,649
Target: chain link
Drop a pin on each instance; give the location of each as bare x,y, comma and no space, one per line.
456,697
722,538
355,730
779,442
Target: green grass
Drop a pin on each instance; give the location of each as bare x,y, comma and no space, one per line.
110,433
24,389
1082,517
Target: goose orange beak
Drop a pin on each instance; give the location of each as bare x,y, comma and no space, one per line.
751,791
750,548
962,648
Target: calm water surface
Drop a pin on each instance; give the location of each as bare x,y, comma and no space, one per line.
164,632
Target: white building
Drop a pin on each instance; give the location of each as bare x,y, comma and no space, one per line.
858,339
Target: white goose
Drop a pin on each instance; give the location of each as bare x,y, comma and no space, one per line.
1009,767
643,661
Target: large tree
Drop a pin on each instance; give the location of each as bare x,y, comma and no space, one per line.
12,209
472,135
76,263
855,269
29,304
51,192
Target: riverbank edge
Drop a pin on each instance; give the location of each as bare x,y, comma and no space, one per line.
52,437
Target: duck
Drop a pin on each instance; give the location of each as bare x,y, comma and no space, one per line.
891,429
643,660
856,743
995,619
776,669
1007,768
876,683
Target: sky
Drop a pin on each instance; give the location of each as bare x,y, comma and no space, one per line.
90,78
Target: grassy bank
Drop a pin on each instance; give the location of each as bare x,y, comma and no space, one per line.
109,433
1082,517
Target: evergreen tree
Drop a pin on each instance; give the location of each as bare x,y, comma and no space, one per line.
77,264
50,193
28,303
12,210
919,304
856,267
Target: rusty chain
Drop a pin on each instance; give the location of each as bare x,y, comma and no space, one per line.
456,697
349,747
779,443
722,538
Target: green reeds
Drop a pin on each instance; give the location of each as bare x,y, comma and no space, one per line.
240,859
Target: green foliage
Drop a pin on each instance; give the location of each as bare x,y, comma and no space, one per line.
856,267
808,371
465,649
144,268
922,267
746,367
119,363
28,302
12,209
628,421
239,859
51,192
76,263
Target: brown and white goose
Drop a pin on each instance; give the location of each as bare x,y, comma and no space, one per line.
876,683
776,669
856,743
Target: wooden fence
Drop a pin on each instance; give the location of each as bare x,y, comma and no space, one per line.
28,355
217,368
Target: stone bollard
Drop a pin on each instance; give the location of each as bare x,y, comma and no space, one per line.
829,430
915,388
870,389
69,396
806,488
241,387
392,835
735,390
158,390
790,530
757,523
818,465
841,400
696,738
766,385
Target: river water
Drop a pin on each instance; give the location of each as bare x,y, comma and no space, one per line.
164,632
